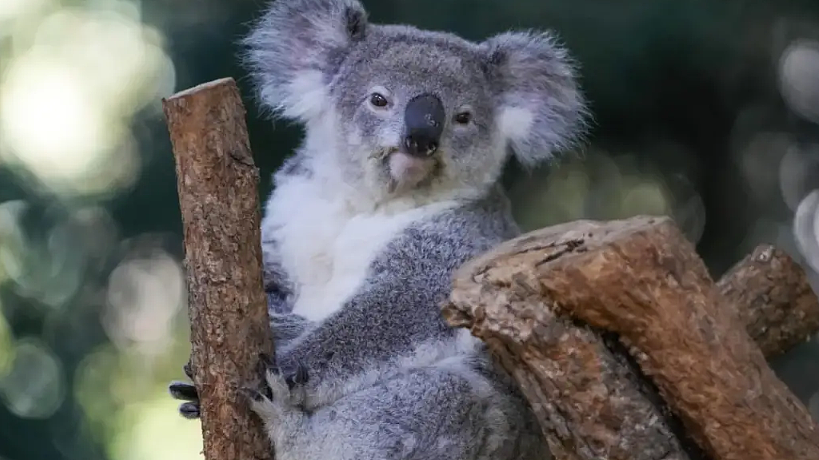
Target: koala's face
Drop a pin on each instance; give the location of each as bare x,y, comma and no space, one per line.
396,110
415,110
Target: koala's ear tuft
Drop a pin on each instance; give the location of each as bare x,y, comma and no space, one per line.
356,22
297,46
540,107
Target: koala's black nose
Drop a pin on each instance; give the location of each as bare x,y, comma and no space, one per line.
424,123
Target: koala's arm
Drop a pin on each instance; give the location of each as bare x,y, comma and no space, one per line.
392,315
280,291
388,318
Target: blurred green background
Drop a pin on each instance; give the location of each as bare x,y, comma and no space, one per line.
707,111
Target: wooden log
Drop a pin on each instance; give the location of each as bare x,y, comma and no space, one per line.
626,348
217,183
772,296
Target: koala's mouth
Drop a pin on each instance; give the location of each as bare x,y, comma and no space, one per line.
406,171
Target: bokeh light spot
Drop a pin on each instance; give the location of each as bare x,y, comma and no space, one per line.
798,71
806,228
645,198
66,99
7,350
34,386
144,295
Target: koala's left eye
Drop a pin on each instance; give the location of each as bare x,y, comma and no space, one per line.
378,100
463,118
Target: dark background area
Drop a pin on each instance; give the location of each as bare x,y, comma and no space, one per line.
704,110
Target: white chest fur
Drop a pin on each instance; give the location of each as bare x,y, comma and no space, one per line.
326,246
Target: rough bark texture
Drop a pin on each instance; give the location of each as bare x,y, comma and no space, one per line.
773,298
597,320
217,183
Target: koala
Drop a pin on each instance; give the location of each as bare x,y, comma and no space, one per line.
394,186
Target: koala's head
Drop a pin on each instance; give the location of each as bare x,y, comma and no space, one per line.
395,110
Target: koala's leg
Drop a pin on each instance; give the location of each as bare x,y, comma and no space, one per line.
429,414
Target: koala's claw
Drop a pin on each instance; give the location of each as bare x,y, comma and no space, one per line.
256,395
189,410
183,391
266,363
299,376
186,392
188,370
293,375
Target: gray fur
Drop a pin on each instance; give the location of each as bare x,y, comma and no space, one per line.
460,406
381,376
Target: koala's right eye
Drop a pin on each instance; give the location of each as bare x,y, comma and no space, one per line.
378,100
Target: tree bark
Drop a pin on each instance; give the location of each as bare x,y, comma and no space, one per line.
625,347
773,298
217,183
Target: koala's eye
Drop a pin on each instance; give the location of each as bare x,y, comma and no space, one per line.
378,100
463,118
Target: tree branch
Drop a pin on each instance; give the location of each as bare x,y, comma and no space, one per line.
625,347
217,183
773,298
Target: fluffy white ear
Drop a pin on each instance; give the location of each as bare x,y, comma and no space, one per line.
540,107
296,47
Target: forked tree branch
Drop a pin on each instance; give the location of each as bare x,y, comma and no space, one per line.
627,349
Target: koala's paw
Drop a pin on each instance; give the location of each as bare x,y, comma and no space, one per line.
294,374
184,391
277,400
281,381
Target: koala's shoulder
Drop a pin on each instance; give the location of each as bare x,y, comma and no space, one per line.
448,239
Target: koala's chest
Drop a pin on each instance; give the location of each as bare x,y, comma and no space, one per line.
328,251
331,260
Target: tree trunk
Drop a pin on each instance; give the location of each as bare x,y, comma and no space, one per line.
217,183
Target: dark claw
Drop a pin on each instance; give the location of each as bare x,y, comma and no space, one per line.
183,391
188,370
253,395
267,360
298,377
266,391
261,368
266,364
294,375
189,410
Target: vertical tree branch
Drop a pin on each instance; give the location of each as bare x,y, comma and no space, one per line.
217,183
